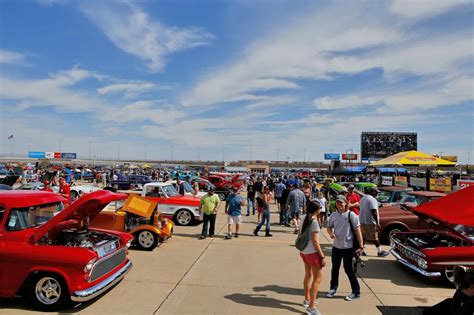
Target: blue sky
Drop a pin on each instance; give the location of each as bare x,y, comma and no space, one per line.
235,78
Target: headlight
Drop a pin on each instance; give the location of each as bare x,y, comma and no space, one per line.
89,265
422,263
129,243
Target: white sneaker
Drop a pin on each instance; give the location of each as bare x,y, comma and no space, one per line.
331,293
352,297
312,311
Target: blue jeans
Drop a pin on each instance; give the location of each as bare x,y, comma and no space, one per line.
265,217
250,204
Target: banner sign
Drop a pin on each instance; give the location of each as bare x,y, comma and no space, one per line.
418,182
387,180
332,156
440,184
349,157
36,155
68,156
57,155
49,155
401,181
463,183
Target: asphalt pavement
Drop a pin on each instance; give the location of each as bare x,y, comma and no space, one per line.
248,275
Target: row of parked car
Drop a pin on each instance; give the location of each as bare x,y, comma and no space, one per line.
54,255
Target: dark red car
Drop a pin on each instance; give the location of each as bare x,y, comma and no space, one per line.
50,255
435,252
398,218
225,183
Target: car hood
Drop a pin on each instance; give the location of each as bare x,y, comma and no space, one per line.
87,206
454,209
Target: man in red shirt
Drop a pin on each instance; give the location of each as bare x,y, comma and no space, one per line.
46,186
353,200
65,190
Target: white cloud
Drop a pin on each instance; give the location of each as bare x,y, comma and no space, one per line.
54,91
424,8
133,31
7,56
129,89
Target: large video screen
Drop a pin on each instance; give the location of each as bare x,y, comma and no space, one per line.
379,145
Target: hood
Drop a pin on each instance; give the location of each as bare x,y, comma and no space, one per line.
454,209
49,175
87,206
10,180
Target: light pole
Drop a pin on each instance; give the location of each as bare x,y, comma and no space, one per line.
172,148
199,159
223,155
278,153
145,151
90,144
118,151
304,155
29,145
250,154
60,144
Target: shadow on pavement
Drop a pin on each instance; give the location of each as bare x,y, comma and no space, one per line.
400,275
263,301
399,310
280,290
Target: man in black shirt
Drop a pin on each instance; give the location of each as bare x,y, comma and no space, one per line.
250,197
283,208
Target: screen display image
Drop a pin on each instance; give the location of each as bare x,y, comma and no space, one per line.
379,145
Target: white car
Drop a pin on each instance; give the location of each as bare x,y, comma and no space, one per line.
76,190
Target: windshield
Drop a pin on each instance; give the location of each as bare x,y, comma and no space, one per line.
383,196
467,231
412,199
170,191
23,218
187,187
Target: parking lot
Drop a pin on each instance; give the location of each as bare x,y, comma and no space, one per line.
248,275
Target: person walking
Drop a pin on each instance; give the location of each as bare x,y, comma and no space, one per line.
266,198
323,212
369,219
284,215
208,206
250,197
312,256
279,187
296,203
233,210
340,226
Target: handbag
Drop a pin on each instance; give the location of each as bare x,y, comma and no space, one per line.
356,244
303,238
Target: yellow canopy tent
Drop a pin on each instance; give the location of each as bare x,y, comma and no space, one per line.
146,166
414,158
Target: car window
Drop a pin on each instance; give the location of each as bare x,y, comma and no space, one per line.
23,218
383,196
170,191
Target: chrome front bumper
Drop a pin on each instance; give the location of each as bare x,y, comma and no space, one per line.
405,262
98,289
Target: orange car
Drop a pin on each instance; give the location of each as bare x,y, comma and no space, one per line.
137,216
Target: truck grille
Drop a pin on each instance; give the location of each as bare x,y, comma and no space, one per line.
107,264
407,252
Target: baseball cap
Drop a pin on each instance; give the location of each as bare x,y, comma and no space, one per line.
373,189
341,198
351,187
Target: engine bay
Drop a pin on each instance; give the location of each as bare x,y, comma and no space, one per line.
134,221
430,240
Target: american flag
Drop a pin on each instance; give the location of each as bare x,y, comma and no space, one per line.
10,137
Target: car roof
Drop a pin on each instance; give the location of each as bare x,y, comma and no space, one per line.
395,188
427,193
28,198
158,184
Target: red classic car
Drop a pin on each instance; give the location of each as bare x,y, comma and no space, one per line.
49,253
435,252
398,218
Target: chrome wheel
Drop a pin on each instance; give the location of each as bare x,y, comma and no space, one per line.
116,186
48,290
222,197
449,273
146,239
184,217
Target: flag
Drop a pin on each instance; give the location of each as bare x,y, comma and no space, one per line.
10,137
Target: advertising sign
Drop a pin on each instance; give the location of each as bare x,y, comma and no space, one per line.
440,184
36,155
450,158
463,183
401,181
49,155
349,157
57,155
387,180
379,145
332,156
68,156
418,182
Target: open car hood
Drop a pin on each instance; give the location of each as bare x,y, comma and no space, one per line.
49,175
454,209
87,206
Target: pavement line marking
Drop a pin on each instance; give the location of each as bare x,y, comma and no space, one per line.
189,269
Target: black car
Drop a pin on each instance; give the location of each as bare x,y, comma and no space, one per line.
129,182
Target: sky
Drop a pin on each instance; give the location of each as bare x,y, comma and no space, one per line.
234,79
